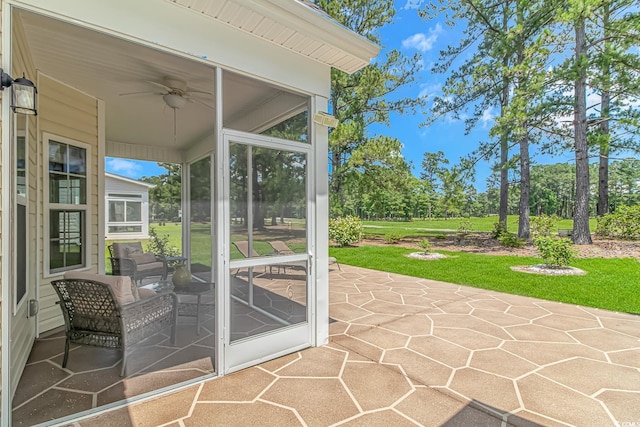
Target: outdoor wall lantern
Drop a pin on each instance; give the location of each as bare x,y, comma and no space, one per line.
24,95
325,119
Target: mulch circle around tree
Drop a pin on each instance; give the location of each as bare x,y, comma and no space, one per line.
549,270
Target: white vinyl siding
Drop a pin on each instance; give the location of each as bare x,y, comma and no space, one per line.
70,116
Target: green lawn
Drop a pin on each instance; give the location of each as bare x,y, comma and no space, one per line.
612,284
432,227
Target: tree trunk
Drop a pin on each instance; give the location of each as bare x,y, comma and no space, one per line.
581,232
605,99
504,138
525,188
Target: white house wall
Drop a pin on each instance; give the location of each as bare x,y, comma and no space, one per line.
23,329
120,186
68,113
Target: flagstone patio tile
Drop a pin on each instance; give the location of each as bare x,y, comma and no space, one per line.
358,346
93,381
544,396
46,348
628,358
623,405
420,369
456,307
501,363
380,418
312,398
546,353
449,354
241,414
135,386
338,297
315,362
410,325
276,364
566,323
430,407
377,320
359,298
527,312
529,419
566,309
36,378
490,304
53,403
498,318
391,308
589,376
624,326
605,340
538,333
377,336
244,385
468,322
375,386
388,296
347,312
86,358
486,388
466,338
337,328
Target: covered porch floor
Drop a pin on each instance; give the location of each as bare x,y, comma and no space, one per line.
408,351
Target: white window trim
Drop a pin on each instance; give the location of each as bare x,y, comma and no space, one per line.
47,137
134,196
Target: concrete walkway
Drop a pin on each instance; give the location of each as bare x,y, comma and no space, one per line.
407,351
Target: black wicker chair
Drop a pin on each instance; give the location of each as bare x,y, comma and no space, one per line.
93,317
126,261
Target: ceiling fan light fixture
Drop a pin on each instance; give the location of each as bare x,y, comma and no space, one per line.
174,101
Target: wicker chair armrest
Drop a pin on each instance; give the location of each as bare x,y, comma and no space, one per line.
148,311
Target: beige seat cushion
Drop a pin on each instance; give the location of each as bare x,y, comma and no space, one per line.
145,293
121,286
126,249
150,266
145,258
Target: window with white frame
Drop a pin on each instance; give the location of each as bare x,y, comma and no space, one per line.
125,213
67,204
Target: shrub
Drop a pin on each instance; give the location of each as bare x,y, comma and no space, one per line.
345,230
511,240
425,245
624,223
392,238
465,227
555,251
499,228
543,225
159,245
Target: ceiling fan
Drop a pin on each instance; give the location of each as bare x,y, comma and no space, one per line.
176,95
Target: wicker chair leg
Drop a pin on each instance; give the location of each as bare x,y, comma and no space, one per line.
124,362
66,353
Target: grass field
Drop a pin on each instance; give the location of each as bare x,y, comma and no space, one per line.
432,227
612,284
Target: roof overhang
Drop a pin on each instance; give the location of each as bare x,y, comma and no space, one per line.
293,25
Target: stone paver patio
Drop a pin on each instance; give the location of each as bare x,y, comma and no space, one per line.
407,351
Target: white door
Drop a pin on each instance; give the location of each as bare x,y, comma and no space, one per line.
267,283
23,276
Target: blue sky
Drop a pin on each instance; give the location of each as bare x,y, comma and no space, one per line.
409,34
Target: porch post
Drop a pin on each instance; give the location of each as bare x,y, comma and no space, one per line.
320,141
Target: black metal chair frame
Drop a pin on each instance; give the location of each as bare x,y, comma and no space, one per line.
93,317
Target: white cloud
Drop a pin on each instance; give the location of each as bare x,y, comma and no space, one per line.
487,117
128,168
421,41
430,90
413,4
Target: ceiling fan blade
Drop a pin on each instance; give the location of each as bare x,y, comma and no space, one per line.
165,87
199,92
202,103
139,93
